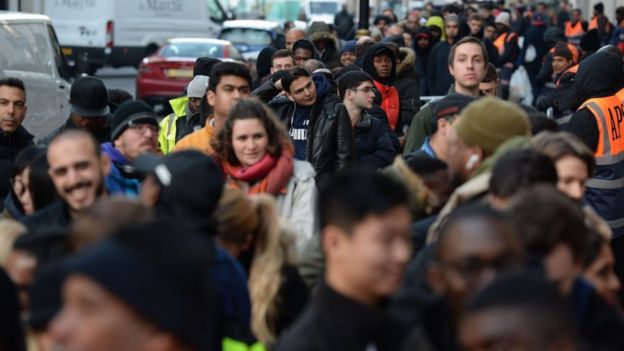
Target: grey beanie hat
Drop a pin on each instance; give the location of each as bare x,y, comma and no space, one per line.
197,87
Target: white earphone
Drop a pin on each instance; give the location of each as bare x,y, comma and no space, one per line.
474,158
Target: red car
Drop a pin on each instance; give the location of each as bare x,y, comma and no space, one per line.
165,74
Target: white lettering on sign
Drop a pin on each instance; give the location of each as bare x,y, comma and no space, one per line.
76,4
162,5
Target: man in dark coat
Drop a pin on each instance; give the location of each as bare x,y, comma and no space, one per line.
316,120
344,24
439,79
13,136
346,312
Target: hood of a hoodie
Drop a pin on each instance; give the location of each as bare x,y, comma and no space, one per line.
326,37
369,67
114,154
438,22
408,62
598,75
263,64
422,31
323,86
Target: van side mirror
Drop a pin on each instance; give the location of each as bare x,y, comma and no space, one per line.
81,64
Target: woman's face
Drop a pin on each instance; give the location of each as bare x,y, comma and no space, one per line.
249,141
602,276
20,187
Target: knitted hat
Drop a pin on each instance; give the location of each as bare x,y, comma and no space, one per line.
160,272
566,50
129,113
504,18
490,121
451,18
348,47
197,87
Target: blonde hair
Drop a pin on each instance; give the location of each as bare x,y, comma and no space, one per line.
239,215
10,230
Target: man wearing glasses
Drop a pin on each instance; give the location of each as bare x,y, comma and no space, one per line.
134,132
373,140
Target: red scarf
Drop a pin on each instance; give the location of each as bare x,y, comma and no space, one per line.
270,175
389,103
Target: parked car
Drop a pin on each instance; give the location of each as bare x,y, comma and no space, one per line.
30,51
251,36
166,73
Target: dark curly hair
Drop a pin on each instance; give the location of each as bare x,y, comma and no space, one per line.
250,108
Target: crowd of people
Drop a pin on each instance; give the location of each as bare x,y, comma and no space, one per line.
319,205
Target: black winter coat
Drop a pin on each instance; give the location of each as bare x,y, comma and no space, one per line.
439,78
330,146
10,146
373,142
336,322
55,216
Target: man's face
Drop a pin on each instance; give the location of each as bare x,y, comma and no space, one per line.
77,171
500,28
89,123
452,29
407,38
382,25
488,88
282,64
383,66
412,22
475,26
372,258
468,66
436,33
560,64
423,42
485,13
303,91
194,104
573,175
137,139
458,155
302,55
292,36
472,254
12,108
347,58
92,319
363,96
576,16
489,32
229,90
601,275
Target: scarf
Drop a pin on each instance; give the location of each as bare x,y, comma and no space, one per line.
270,175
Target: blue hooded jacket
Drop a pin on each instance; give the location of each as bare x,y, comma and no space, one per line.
121,179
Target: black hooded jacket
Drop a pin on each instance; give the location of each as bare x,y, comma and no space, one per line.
263,65
305,44
599,75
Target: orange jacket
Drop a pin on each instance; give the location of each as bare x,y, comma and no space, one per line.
198,140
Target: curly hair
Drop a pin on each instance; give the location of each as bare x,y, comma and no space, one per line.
251,108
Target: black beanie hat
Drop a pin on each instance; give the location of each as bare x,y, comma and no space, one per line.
203,66
131,112
160,272
561,49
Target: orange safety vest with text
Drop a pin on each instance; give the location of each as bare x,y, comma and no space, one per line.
574,32
605,190
502,40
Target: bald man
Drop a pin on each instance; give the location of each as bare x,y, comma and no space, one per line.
292,36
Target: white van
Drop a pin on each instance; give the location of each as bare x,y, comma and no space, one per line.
29,50
322,10
122,32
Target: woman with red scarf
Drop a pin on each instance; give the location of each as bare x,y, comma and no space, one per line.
256,156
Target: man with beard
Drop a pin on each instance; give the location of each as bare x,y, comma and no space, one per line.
135,132
439,79
77,169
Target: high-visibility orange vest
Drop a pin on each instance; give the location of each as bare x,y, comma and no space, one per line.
620,95
574,32
604,189
593,24
502,40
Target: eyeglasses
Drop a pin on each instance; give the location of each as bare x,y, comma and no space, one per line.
142,128
367,90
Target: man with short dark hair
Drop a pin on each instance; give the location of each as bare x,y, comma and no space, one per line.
13,137
316,120
373,142
303,50
228,83
601,23
467,62
365,222
489,83
78,170
88,98
575,27
282,60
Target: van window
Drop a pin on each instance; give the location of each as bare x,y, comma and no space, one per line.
59,58
25,47
247,36
323,7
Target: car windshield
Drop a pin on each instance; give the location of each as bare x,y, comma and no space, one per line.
189,49
323,7
247,36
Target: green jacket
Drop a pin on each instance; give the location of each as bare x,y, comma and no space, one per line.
419,130
167,135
